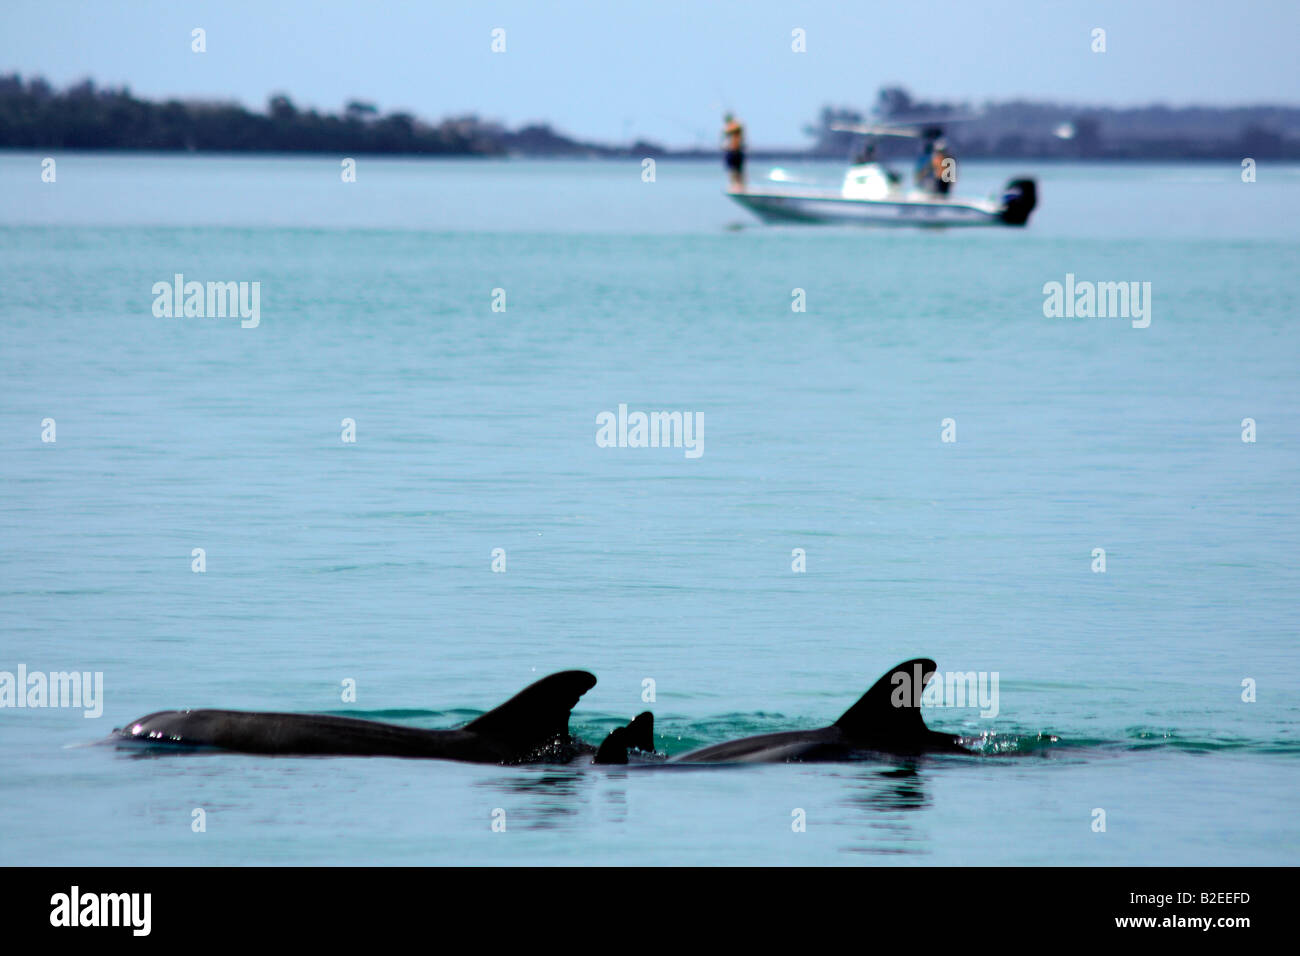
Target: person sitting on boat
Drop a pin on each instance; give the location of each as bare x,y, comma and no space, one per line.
733,135
925,162
943,167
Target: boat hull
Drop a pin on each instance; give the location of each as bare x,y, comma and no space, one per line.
791,207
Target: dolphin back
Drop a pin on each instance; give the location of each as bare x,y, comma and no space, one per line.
532,725
887,719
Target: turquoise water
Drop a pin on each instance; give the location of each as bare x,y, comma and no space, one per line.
371,561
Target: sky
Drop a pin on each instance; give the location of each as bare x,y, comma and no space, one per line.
612,70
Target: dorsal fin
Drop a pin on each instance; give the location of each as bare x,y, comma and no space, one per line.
893,704
538,714
637,735
641,732
614,748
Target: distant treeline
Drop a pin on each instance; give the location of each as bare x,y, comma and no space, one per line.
1028,130
33,115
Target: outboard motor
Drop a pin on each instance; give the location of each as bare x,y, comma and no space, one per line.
1018,201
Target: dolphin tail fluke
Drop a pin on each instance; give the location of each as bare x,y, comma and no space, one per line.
538,714
892,707
638,735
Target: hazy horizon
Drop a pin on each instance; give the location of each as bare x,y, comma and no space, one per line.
665,73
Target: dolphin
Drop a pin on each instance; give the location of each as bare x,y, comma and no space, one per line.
637,735
886,719
531,727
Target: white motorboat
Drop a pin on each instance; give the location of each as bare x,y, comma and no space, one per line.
873,194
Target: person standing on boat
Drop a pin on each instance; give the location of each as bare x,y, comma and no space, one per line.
924,173
733,137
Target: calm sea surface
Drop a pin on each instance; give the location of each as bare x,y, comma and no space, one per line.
371,561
